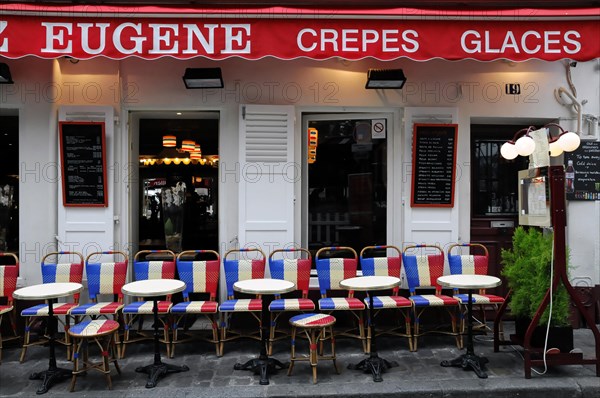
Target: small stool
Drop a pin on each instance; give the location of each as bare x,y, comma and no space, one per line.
102,332
315,327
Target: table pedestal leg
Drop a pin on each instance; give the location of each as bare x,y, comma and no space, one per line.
469,360
374,363
54,374
263,365
158,369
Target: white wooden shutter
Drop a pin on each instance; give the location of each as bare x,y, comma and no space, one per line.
431,225
267,176
88,229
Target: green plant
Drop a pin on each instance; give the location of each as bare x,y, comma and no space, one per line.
527,269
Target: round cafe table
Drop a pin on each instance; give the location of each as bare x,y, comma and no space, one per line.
469,282
49,292
263,365
373,363
155,288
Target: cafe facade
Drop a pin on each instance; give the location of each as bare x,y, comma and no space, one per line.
293,149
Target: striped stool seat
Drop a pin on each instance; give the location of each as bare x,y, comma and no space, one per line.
239,305
195,307
480,298
292,304
380,302
433,300
102,332
5,308
145,307
315,327
97,309
341,303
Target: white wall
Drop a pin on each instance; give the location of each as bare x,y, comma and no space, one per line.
476,88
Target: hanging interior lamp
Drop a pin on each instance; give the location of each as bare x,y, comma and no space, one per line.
188,145
169,141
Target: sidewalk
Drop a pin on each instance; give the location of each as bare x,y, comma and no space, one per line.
418,374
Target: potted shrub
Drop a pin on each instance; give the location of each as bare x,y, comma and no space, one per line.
527,268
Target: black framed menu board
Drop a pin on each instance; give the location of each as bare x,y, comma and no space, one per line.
434,165
83,163
583,167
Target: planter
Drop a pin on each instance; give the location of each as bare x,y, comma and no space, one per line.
560,337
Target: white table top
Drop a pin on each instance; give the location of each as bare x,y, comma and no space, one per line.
47,290
463,281
370,282
153,287
264,286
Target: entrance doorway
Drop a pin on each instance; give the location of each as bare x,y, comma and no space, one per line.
346,182
178,181
9,182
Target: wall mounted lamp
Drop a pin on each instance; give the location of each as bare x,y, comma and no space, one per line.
522,143
203,78
385,78
5,77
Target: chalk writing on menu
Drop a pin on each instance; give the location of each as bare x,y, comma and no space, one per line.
585,168
83,164
434,159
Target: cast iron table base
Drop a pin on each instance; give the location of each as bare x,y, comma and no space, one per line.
50,376
263,366
375,365
469,361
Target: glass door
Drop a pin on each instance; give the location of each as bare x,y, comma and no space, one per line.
346,180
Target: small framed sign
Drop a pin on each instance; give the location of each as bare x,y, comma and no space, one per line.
83,163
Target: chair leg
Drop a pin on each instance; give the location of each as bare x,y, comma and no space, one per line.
314,359
293,351
76,348
215,334
26,337
332,349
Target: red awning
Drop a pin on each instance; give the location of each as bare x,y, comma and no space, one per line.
152,32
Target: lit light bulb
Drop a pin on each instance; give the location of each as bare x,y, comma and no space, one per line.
525,145
555,149
508,151
569,141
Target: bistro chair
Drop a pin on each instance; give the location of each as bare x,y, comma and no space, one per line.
330,272
104,278
143,269
474,264
8,284
387,266
240,269
200,277
295,270
422,271
51,273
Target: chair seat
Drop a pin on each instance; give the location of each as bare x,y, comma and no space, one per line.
42,309
241,305
5,308
389,302
145,307
195,307
93,328
312,320
433,300
341,303
97,308
480,298
292,304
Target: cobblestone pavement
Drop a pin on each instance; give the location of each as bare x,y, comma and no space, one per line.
417,374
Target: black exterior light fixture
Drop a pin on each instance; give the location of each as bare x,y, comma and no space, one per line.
203,78
5,77
385,78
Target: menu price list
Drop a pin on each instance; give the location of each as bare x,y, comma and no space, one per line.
585,164
433,160
82,149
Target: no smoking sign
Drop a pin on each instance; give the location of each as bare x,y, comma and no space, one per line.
378,129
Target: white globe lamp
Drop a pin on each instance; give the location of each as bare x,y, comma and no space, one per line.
525,145
508,151
569,141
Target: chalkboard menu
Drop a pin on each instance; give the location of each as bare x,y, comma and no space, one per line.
434,160
83,163
583,166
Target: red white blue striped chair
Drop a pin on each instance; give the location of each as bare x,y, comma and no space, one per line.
295,270
144,268
387,265
201,277
54,272
330,272
422,271
474,264
8,284
240,269
104,278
